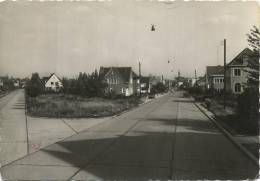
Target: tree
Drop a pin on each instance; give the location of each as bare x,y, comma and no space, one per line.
89,85
247,105
158,88
254,42
35,86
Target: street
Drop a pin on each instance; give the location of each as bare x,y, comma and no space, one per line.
167,138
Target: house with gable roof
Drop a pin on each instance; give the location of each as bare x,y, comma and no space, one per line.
52,83
215,78
120,80
237,74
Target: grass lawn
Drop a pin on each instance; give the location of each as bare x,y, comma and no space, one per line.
71,106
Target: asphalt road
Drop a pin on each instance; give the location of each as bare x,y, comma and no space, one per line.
168,138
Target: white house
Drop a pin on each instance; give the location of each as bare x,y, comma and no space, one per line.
1,83
52,83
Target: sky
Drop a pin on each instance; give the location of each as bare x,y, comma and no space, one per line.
72,37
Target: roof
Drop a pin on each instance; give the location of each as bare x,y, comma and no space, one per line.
215,70
124,72
45,79
239,60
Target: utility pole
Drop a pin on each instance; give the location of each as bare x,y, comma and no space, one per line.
140,79
139,69
224,92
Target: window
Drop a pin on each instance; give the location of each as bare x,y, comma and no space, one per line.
237,87
237,72
52,83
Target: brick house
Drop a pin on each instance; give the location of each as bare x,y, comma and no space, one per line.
52,83
215,78
236,73
120,80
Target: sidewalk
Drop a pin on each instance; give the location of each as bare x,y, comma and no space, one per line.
248,144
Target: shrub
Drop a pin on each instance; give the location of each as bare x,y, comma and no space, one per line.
158,88
248,108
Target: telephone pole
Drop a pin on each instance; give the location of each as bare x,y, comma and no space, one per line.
140,79
224,92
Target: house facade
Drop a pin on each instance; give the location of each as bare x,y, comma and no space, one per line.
1,83
215,78
145,85
120,80
52,83
236,73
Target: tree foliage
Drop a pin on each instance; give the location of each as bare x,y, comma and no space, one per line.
253,39
158,88
89,85
35,86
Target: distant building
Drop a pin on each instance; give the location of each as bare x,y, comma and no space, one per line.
145,85
215,78
192,82
201,82
16,83
120,80
181,81
52,83
236,73
1,83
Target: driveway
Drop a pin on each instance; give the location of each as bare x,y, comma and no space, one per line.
168,138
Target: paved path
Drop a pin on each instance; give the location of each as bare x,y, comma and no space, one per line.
168,138
13,133
40,132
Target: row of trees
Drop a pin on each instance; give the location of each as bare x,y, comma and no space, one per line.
89,85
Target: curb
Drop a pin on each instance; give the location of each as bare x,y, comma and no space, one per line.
229,136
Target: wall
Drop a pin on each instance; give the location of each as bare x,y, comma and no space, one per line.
242,79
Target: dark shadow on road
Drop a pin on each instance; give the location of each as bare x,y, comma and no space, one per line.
146,155
189,124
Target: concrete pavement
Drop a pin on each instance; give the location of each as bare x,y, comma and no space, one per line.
168,138
13,130
21,135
